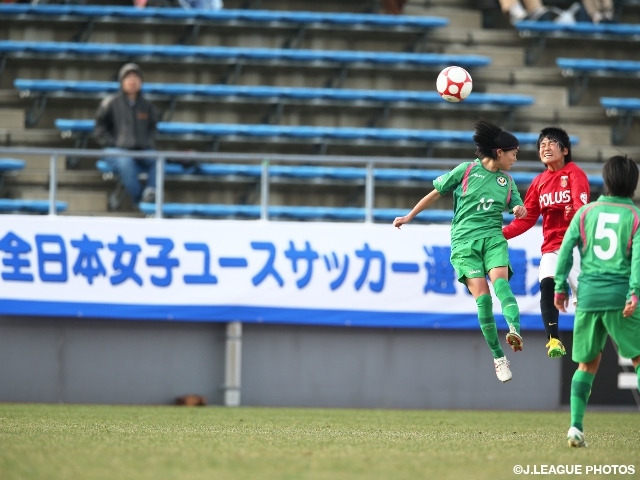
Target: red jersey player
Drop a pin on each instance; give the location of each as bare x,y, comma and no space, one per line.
556,194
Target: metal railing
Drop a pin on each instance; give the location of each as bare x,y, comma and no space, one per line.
261,159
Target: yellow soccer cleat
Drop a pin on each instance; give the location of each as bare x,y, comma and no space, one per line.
556,349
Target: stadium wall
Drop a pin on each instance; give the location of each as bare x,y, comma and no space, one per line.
124,311
98,361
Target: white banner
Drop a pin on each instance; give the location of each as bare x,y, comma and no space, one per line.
252,271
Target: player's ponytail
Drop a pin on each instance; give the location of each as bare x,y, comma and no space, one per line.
489,138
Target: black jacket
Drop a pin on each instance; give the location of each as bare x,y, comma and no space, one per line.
120,124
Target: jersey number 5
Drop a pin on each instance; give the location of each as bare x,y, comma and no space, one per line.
602,232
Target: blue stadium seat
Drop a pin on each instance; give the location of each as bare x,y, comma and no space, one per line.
540,32
72,88
319,173
207,54
604,67
229,16
11,164
406,175
581,69
11,205
595,30
224,170
298,213
623,103
282,212
169,168
314,133
625,110
203,210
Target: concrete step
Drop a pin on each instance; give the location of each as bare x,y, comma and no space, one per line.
37,137
519,75
11,118
631,151
122,214
453,35
79,202
558,114
465,18
545,97
9,98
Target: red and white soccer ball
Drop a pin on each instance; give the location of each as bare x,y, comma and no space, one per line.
454,84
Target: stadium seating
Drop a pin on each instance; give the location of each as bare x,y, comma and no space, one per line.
302,173
294,172
319,173
625,109
10,164
453,138
204,54
583,68
124,14
18,205
299,213
294,23
539,32
42,89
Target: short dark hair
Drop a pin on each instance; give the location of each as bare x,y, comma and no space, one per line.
559,135
489,138
620,174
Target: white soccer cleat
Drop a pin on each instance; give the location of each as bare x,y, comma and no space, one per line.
502,369
575,438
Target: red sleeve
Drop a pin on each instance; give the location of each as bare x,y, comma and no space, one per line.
580,192
520,225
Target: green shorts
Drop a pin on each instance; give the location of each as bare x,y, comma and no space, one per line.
475,258
590,331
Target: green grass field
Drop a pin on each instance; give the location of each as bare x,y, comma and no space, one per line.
87,442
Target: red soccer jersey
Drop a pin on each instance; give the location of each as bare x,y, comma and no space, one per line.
556,196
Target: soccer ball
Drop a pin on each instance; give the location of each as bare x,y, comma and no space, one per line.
454,84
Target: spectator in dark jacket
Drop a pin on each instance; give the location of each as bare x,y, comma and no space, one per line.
127,121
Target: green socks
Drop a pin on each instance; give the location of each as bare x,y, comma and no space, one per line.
488,324
508,302
580,389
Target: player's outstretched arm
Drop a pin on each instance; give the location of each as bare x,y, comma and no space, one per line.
424,203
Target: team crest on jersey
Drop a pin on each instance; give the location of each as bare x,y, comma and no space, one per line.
564,181
501,181
583,197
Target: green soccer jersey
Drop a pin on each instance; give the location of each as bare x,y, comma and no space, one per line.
606,233
479,198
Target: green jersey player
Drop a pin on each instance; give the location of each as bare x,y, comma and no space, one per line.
481,192
606,233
